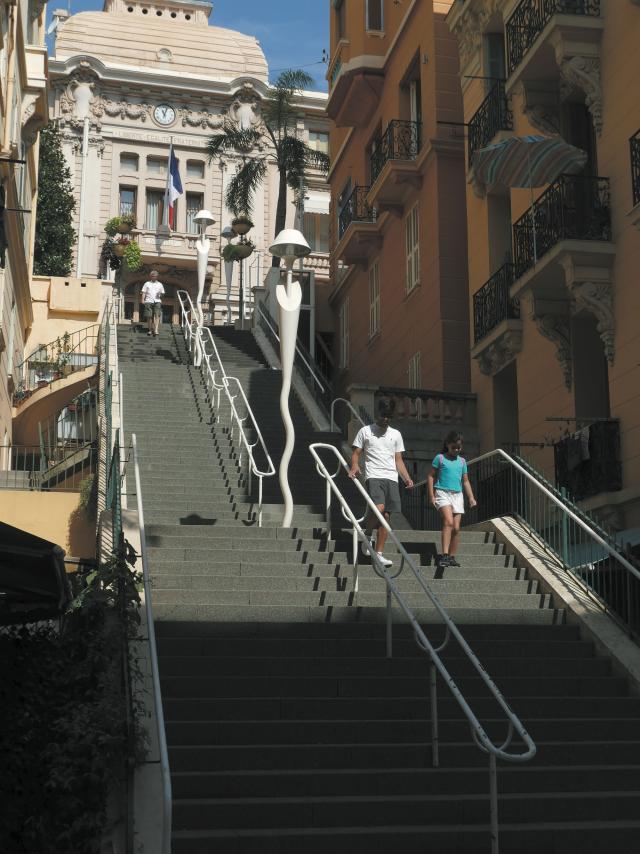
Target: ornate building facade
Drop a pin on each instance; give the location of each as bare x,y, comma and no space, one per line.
23,111
553,271
128,81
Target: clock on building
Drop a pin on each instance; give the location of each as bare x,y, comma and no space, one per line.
164,114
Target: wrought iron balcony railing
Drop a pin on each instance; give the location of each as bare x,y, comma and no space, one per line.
588,462
356,209
492,303
400,141
531,17
634,143
492,116
575,207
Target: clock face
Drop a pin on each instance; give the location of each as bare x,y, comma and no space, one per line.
164,114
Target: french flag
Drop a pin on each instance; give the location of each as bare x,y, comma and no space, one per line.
174,187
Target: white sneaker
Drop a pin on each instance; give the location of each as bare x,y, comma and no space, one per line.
365,548
384,560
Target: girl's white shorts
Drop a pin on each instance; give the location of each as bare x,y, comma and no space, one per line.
445,497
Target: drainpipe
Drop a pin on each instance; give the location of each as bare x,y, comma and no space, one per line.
83,184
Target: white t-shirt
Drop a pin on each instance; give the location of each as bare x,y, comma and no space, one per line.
379,451
152,291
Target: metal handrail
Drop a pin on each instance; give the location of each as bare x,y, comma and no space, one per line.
349,405
562,506
480,737
197,344
167,798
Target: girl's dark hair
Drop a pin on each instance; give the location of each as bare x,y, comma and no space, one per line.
453,437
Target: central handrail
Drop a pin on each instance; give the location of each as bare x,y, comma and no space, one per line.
167,797
480,737
349,406
201,344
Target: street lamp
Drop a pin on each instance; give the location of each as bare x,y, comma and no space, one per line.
289,245
203,219
241,226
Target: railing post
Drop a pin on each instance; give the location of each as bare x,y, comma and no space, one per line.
433,699
389,623
493,797
354,560
564,526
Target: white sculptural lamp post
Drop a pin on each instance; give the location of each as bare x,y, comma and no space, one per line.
203,219
289,245
228,233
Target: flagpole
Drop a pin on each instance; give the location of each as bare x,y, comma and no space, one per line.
165,207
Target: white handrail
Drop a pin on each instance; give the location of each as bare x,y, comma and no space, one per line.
349,404
558,502
267,320
479,735
167,800
200,341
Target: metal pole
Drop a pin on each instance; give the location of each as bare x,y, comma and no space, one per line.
565,531
389,624
433,698
241,294
493,796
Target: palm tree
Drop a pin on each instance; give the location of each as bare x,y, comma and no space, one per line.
276,141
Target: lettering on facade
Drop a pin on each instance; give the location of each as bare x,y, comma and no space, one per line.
157,138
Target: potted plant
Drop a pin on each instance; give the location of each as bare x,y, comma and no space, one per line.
241,224
132,256
127,222
63,366
238,251
119,246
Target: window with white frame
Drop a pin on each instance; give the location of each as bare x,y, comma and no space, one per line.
374,13
195,203
195,169
319,141
155,209
374,299
316,230
128,162
157,166
415,371
343,325
412,242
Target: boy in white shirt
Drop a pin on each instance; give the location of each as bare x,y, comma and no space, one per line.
152,293
383,447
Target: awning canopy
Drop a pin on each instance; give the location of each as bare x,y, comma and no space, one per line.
33,581
316,202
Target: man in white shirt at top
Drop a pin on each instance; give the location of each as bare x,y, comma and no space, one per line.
382,446
152,293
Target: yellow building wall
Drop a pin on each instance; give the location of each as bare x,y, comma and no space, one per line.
54,516
59,307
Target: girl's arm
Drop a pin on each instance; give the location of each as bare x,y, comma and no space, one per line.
430,480
466,483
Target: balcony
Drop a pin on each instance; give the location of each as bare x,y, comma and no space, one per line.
634,144
394,171
492,303
357,229
496,322
175,246
528,31
493,116
573,214
588,462
355,85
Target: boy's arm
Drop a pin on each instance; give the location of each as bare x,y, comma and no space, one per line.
354,471
402,471
466,484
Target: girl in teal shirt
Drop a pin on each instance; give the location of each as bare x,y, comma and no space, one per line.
446,481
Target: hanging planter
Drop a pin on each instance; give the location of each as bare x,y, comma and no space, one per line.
132,256
120,224
237,251
241,225
118,248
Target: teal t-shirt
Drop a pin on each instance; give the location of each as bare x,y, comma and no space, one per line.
450,472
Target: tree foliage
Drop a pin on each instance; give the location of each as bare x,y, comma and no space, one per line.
55,236
275,141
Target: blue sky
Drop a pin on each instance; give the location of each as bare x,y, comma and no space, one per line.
293,33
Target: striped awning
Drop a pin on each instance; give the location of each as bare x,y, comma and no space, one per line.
526,161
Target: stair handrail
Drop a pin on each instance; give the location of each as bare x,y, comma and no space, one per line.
199,342
167,798
349,406
480,737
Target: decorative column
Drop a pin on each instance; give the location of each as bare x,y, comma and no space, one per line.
290,244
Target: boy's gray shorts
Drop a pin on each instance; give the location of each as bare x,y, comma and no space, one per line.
384,491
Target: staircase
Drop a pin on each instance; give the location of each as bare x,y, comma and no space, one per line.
288,729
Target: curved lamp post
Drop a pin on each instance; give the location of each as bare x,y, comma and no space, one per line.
203,219
241,227
289,245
